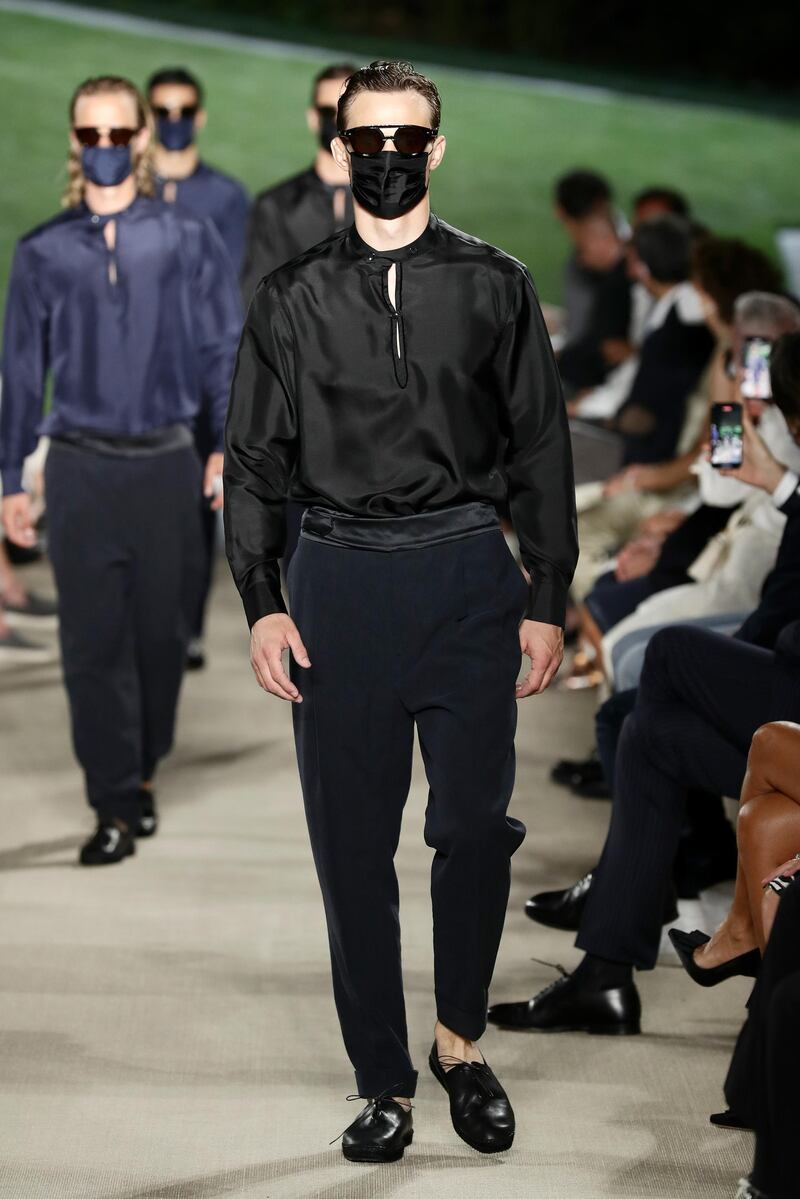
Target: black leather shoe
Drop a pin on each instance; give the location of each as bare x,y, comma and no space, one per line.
568,773
109,844
148,814
746,964
591,789
565,1006
564,909
479,1107
729,1119
378,1134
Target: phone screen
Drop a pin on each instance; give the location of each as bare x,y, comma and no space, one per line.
726,435
755,360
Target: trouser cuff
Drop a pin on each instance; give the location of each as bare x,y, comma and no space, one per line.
370,1083
469,1025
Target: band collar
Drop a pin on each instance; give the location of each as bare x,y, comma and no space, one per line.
133,210
424,242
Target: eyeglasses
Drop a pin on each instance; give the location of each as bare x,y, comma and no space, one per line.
326,111
370,139
187,112
88,135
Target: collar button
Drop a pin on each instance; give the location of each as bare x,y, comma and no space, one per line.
95,219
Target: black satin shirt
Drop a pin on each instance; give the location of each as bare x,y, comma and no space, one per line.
287,219
340,399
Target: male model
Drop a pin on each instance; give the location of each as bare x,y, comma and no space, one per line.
131,305
398,378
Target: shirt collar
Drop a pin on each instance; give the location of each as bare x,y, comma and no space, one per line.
135,208
424,242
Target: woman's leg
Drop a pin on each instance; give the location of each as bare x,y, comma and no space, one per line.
768,833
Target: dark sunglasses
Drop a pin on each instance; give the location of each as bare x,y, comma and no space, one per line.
87,135
326,111
369,139
188,112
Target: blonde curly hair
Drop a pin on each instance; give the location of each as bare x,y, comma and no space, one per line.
144,172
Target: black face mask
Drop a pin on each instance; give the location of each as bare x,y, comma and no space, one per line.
327,131
389,184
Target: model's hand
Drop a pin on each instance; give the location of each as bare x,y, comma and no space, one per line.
758,467
18,519
212,481
269,637
544,645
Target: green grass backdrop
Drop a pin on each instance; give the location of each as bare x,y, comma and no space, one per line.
507,140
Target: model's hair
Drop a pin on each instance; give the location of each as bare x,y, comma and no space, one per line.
726,267
581,192
180,75
671,200
664,244
338,70
389,76
784,371
781,314
143,166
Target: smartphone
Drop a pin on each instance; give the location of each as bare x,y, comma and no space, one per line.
755,361
726,435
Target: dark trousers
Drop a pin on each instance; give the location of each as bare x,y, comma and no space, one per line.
701,698
209,522
398,637
125,546
762,1081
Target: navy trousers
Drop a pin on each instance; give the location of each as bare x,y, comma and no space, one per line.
126,548
409,621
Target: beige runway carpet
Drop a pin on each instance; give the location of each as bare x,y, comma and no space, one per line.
166,1025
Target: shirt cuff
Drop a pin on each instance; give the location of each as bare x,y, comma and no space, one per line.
547,602
786,488
261,599
12,480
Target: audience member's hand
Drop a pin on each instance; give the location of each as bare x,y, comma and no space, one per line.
269,637
212,481
771,899
544,645
758,468
661,524
616,350
18,519
637,558
624,480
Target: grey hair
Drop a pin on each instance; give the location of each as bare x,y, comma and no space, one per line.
778,313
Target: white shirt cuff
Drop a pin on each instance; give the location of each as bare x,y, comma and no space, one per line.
787,487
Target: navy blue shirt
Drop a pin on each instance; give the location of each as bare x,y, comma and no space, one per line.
135,338
208,192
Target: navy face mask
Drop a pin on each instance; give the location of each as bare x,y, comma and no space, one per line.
175,135
389,184
107,166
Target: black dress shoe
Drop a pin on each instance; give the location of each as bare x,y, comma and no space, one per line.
746,964
566,1006
380,1133
568,772
479,1107
110,843
148,813
564,909
591,789
729,1119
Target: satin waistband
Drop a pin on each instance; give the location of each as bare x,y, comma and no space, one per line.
388,533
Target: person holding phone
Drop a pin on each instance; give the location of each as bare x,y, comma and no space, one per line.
131,305
399,380
298,213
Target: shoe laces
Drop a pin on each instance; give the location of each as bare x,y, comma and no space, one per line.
557,982
479,1070
375,1102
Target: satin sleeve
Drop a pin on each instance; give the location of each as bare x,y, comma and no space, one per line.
25,358
538,458
261,447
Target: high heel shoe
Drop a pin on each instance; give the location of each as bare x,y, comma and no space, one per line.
746,964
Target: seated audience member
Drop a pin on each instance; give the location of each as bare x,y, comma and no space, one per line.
597,293
701,698
604,401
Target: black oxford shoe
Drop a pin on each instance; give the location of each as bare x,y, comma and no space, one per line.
148,813
378,1134
110,843
566,1006
479,1107
564,909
